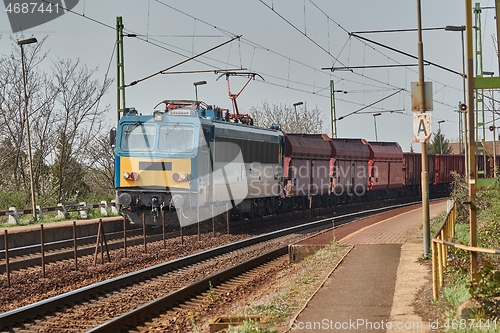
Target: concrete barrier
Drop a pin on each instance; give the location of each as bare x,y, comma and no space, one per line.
58,231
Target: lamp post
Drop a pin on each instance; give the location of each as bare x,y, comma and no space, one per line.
196,84
375,115
493,127
461,28
30,158
440,136
295,109
425,176
439,125
295,106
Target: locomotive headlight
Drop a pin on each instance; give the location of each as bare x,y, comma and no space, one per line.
180,177
157,116
124,199
131,175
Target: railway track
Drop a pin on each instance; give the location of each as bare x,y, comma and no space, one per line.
30,256
189,295
135,296
90,305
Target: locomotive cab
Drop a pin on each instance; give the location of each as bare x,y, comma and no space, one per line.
162,160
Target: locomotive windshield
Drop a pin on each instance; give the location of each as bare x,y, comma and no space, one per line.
176,138
138,136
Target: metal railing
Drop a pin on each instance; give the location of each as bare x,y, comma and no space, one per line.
440,243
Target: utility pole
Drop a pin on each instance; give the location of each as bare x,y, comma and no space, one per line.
497,12
425,177
332,109
471,140
120,69
26,114
441,138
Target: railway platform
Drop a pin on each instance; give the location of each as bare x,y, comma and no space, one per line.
373,288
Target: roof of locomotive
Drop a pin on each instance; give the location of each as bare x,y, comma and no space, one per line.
198,110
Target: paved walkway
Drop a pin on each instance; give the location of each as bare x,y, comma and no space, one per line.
372,290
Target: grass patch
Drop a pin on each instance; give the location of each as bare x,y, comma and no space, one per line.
456,292
293,289
249,326
458,287
436,223
462,232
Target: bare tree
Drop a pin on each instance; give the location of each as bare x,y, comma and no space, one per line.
102,166
80,120
64,115
13,143
291,119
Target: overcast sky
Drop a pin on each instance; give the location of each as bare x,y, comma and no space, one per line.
287,43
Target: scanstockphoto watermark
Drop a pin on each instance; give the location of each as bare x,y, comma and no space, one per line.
307,180
26,14
387,325
360,324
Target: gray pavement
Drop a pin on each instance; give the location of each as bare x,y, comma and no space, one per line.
373,288
358,296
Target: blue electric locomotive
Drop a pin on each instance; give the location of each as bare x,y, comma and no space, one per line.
192,155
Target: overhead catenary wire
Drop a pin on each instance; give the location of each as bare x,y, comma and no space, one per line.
243,41
303,33
140,37
107,72
407,54
367,106
345,30
341,27
157,43
182,62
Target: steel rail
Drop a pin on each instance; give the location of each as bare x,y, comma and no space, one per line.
42,307
29,256
60,254
39,308
142,313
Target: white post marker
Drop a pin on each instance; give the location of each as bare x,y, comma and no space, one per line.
422,129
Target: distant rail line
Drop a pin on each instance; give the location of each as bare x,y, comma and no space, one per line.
137,295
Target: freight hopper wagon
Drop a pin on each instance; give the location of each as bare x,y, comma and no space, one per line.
306,169
350,169
385,169
440,170
334,170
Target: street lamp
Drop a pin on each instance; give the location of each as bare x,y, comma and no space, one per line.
440,136
30,158
295,109
439,125
461,28
196,84
375,115
493,127
295,106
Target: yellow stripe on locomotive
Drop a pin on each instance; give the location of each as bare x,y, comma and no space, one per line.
147,172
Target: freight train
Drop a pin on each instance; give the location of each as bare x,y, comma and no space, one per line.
192,155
